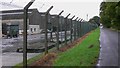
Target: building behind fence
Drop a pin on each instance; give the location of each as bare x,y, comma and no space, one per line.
12,22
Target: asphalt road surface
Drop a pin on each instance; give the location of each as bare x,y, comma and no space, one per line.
109,47
11,59
34,42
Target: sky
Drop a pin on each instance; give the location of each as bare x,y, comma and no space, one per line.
79,8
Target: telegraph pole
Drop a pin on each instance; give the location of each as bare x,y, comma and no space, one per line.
25,33
46,27
58,29
66,28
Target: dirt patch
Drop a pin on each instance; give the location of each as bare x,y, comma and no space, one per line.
49,58
46,60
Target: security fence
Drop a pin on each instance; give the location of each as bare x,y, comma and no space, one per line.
40,31
67,30
55,30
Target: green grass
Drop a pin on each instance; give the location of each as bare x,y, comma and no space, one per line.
81,54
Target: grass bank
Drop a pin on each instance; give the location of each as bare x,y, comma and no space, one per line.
84,54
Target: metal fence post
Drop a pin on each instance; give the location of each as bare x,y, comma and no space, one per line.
66,28
25,33
78,28
75,29
71,28
46,25
58,29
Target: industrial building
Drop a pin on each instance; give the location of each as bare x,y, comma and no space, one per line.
12,22
14,19
55,19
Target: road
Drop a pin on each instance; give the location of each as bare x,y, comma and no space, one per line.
11,59
109,47
34,41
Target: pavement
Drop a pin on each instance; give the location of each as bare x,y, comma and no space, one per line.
109,48
11,59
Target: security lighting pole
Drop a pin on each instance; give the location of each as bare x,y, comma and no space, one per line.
71,28
25,33
66,28
46,27
58,29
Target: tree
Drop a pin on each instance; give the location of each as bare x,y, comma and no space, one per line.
95,20
110,14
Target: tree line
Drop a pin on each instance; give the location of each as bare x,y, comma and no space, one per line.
95,20
110,14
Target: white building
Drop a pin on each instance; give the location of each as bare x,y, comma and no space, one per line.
34,29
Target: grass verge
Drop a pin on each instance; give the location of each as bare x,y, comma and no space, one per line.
84,54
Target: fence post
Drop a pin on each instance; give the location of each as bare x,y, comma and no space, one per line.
25,33
78,28
46,25
71,28
75,28
58,29
66,28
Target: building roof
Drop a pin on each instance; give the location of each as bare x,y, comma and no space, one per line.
15,14
16,11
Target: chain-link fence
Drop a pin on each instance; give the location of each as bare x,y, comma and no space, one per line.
60,31
44,31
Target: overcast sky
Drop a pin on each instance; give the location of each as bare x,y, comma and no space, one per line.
79,8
